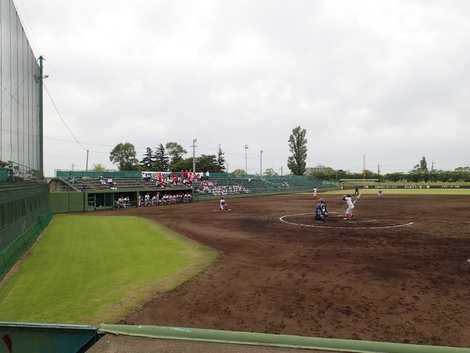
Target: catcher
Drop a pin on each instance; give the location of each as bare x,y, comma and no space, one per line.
321,211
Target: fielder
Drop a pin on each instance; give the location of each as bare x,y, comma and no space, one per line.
223,205
315,193
321,211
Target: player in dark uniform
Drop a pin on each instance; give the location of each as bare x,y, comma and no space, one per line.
321,211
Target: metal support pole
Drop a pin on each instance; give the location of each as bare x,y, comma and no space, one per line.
261,162
364,166
41,117
194,154
87,154
246,158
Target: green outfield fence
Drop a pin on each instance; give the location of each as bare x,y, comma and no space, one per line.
255,185
24,213
63,202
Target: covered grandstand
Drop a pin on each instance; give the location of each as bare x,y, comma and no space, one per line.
76,191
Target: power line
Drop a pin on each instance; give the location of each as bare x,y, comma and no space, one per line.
63,120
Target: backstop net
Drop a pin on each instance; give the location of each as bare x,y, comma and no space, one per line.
24,209
20,118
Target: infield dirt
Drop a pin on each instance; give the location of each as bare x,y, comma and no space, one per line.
407,284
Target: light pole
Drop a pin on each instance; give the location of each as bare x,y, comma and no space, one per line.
246,158
194,154
261,163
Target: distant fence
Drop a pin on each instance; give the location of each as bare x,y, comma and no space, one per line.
63,202
24,213
406,185
238,186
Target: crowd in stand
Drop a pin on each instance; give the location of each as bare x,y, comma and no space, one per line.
108,182
147,200
168,179
166,199
123,202
212,188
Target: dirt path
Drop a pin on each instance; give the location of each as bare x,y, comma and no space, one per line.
404,285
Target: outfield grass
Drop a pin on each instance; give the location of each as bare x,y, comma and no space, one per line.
89,269
405,191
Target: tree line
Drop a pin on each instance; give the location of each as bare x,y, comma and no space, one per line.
165,158
419,173
171,157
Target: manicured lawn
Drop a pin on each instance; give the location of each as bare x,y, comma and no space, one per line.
406,191
89,269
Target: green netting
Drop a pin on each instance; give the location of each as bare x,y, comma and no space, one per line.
69,174
20,118
24,212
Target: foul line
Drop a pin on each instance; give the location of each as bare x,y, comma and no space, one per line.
337,227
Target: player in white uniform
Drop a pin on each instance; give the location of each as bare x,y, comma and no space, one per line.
315,193
349,207
222,204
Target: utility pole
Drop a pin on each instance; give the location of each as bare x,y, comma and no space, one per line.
261,163
41,116
246,158
364,166
86,165
281,170
194,154
378,170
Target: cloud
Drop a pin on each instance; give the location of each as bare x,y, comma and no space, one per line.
386,79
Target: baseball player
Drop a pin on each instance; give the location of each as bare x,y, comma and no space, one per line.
350,204
315,193
321,211
222,204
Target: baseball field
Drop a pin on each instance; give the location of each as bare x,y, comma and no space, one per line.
90,269
397,272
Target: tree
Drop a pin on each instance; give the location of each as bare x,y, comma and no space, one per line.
420,171
208,163
239,173
220,160
148,161
99,167
423,165
183,164
161,159
270,172
322,172
175,151
298,147
123,154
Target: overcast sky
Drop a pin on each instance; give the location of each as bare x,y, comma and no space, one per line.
389,79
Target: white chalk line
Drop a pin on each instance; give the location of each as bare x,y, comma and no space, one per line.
282,219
